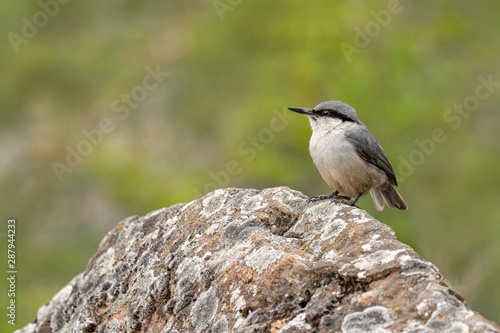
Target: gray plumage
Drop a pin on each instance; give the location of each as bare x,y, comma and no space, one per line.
348,157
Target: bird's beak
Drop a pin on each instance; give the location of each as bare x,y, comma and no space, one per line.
302,111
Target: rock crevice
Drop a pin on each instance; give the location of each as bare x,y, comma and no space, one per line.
246,260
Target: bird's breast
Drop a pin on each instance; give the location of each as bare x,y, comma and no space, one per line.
330,150
338,162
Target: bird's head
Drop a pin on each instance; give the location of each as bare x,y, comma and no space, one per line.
333,112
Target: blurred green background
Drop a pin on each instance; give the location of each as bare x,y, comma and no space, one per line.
233,67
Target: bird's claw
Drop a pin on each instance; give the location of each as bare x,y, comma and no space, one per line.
334,196
316,198
352,202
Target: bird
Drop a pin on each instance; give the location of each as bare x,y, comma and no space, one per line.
349,158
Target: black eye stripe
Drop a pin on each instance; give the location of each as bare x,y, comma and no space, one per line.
333,114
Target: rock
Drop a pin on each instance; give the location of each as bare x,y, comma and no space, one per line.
244,260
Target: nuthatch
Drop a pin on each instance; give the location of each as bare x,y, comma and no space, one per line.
349,158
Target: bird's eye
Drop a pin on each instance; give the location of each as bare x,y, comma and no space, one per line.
325,113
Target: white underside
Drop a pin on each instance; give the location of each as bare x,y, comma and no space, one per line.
337,160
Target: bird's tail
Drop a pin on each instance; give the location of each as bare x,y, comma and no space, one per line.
377,198
391,197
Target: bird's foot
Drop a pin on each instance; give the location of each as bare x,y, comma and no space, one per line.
334,196
353,201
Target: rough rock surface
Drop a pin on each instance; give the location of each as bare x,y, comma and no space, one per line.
245,260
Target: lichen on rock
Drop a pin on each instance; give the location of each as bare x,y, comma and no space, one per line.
245,260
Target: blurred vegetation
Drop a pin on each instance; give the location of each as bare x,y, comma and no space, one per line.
232,69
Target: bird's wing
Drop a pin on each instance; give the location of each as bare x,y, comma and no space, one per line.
370,150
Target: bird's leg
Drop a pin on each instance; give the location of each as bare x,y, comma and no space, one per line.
353,201
334,195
